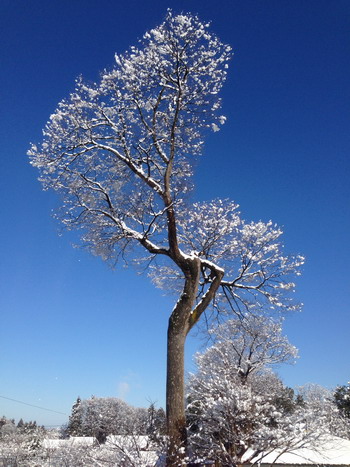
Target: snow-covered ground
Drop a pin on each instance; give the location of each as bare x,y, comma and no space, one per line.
331,451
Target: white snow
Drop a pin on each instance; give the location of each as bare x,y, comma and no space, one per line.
331,451
72,441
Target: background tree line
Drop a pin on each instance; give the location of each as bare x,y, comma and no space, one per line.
101,417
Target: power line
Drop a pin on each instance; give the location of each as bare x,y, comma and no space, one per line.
31,405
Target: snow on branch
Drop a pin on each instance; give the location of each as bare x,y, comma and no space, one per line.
256,275
121,149
120,153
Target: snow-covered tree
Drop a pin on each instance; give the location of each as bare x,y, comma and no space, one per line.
74,427
103,416
237,406
342,399
156,423
120,152
67,454
127,451
20,445
324,415
249,344
238,409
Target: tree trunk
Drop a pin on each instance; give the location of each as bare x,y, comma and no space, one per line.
182,319
178,327
175,397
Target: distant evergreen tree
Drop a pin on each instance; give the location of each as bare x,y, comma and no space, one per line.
156,425
3,421
20,424
151,412
342,399
74,427
7,426
161,421
63,431
287,401
30,426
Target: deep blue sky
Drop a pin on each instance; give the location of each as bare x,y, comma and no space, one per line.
69,325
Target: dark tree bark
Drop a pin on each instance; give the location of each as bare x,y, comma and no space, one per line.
184,316
178,327
175,403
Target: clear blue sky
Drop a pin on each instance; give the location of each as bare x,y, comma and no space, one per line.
69,325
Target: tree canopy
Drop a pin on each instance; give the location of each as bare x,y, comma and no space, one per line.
121,151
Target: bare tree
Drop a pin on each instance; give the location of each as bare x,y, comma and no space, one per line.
121,151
